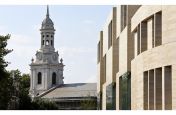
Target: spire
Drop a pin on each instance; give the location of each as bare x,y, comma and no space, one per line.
47,14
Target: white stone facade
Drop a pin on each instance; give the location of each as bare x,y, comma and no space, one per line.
46,69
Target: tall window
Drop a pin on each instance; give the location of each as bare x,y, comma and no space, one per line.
123,17
54,78
158,28
51,42
43,42
39,81
110,35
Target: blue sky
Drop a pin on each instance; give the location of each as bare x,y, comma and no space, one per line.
77,30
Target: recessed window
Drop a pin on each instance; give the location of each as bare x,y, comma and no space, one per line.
43,42
54,78
51,36
51,42
43,36
110,35
39,81
47,35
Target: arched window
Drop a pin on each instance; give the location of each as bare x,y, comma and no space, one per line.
54,78
39,78
47,42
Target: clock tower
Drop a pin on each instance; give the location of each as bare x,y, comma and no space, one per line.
46,69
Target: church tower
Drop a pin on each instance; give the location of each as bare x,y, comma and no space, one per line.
46,69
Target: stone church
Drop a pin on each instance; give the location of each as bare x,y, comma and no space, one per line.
46,79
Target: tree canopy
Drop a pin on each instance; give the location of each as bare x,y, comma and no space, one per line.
5,79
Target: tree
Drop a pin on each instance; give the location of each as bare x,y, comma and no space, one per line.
21,90
22,93
14,87
43,104
89,104
5,79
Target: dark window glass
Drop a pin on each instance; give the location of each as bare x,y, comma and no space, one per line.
39,78
54,78
51,42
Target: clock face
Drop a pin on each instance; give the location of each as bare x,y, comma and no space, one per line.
39,56
54,57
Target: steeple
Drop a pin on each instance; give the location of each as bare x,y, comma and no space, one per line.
47,22
47,13
47,33
46,66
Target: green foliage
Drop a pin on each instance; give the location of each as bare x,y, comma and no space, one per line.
5,80
25,102
89,104
3,52
21,90
42,104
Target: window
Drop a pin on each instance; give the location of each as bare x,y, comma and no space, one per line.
43,42
51,36
54,78
143,38
47,42
47,35
168,87
145,89
125,91
43,36
158,29
110,35
39,81
51,42
123,17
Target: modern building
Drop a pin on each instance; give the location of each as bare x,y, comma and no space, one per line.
46,79
136,58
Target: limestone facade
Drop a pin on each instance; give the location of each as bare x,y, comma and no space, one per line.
139,59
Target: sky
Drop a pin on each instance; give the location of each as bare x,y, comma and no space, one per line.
76,36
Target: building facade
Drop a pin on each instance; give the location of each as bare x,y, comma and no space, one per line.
46,79
46,70
136,58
